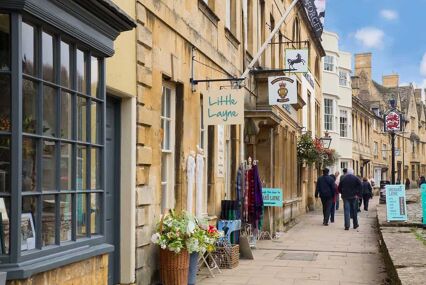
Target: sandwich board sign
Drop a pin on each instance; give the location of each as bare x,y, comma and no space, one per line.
423,194
396,206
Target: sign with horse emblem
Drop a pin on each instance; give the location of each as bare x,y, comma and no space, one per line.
297,60
282,90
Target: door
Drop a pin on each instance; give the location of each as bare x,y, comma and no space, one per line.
112,188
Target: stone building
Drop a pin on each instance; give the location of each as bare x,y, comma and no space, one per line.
200,39
410,143
337,92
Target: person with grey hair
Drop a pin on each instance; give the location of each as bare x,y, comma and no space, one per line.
350,187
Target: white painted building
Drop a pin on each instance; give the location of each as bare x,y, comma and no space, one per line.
337,96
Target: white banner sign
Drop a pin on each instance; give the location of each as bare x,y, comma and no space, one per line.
223,107
282,90
220,151
297,60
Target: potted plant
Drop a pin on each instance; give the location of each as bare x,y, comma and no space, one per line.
173,234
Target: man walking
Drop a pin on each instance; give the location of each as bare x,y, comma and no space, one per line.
350,187
325,189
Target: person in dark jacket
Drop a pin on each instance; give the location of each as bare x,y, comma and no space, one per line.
407,183
350,187
367,192
335,199
325,189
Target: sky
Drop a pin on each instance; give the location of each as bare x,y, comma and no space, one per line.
392,30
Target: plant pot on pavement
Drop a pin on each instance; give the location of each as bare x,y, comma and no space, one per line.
174,267
193,268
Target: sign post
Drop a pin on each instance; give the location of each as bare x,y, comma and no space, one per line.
396,206
272,197
423,193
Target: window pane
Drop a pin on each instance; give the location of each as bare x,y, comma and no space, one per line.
29,106
66,166
81,118
28,64
95,213
95,170
168,98
4,99
81,72
65,65
47,49
95,122
167,135
28,222
81,215
5,225
164,168
29,177
4,164
94,77
81,167
49,111
65,216
48,224
49,165
66,116
4,42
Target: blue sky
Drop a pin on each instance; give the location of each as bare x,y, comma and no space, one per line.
393,30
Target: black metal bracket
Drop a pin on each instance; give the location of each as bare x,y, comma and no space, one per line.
196,81
261,71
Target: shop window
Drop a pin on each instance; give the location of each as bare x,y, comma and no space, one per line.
167,145
61,169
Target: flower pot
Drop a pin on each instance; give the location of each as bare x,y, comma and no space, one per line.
174,267
193,268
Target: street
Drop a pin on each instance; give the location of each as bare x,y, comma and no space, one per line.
311,253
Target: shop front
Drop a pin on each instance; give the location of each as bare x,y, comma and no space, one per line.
53,186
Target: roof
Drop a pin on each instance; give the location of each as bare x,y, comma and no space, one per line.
110,12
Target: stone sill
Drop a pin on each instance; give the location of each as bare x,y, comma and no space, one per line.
208,12
232,38
31,267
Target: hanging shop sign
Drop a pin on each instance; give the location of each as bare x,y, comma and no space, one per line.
297,60
223,107
393,121
282,90
423,192
272,197
316,14
396,207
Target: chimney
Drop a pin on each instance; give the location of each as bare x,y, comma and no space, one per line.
390,81
363,63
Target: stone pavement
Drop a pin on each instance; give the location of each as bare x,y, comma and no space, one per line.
311,253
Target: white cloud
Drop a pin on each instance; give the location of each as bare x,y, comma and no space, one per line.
390,15
370,37
423,65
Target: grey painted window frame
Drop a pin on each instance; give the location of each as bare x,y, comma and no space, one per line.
78,249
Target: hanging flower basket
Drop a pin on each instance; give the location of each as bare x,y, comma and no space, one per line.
174,267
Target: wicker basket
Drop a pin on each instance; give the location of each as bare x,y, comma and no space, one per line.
227,257
174,267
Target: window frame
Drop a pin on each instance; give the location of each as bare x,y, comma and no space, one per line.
343,123
329,63
169,154
16,255
328,117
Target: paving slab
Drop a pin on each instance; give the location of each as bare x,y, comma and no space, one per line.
314,254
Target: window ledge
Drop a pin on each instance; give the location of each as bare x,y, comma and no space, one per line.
208,12
232,38
28,268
